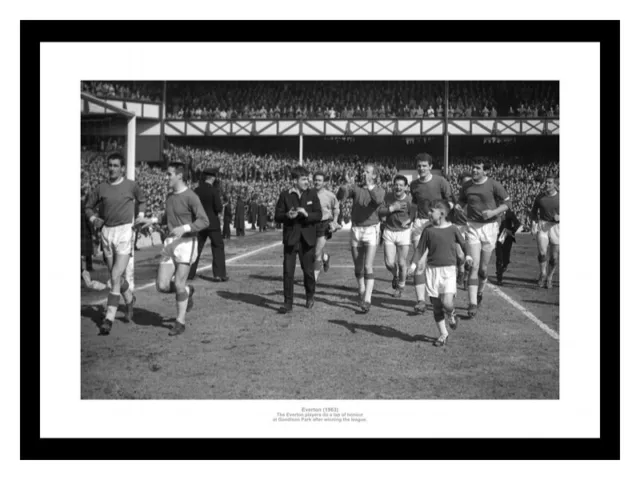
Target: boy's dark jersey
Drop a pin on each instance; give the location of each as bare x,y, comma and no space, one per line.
441,243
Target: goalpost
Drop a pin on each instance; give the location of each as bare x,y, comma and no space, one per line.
94,107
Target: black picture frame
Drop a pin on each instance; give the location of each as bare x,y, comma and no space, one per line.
33,447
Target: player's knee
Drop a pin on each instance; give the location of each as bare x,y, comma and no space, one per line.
554,259
482,273
542,257
447,304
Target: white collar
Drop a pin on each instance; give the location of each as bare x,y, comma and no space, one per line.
428,178
404,195
118,182
180,191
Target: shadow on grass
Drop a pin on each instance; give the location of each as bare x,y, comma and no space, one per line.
141,317
383,331
249,298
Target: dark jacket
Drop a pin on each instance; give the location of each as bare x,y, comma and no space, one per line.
253,212
227,215
300,227
262,215
510,221
210,198
238,222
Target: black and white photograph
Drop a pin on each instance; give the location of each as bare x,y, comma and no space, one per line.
320,240
299,248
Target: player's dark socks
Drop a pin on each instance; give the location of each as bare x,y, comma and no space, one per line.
479,298
472,310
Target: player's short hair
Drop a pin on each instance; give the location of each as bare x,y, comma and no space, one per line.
116,156
442,205
486,164
179,168
319,174
424,157
299,171
401,177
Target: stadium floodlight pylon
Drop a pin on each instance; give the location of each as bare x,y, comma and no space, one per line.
92,107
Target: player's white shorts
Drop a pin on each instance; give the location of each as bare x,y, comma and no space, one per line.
550,231
365,235
485,233
419,224
399,237
181,250
117,240
441,280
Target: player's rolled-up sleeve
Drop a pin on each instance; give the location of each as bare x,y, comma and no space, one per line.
501,195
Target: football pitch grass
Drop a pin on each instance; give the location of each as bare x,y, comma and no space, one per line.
236,345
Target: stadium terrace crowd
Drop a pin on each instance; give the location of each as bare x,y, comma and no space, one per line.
340,99
143,91
261,178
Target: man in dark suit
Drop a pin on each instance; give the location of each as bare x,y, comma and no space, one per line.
238,222
209,195
506,237
253,212
262,216
298,209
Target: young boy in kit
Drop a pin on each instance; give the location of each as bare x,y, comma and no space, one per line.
438,243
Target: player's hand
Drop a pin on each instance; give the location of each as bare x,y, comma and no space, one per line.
97,223
468,260
292,213
534,228
556,217
487,214
143,223
509,232
178,232
412,269
302,211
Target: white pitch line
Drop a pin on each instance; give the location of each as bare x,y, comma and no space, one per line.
549,331
231,260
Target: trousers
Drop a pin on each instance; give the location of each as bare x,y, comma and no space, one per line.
306,254
217,252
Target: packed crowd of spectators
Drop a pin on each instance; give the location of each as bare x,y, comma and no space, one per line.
248,176
143,91
340,99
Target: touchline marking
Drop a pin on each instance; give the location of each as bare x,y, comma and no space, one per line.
552,333
231,260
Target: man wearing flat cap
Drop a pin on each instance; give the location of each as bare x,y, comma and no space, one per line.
209,195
